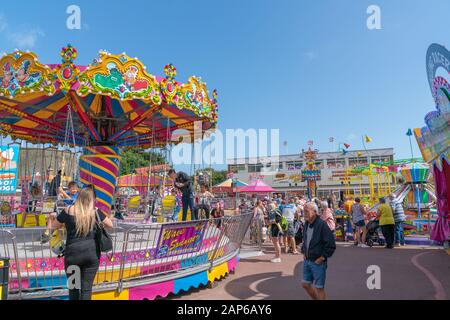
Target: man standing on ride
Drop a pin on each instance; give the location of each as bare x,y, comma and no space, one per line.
184,183
55,184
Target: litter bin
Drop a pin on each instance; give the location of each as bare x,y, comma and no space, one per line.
4,277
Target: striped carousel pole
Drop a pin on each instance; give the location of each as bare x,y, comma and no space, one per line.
99,165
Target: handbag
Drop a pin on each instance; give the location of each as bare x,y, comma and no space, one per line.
102,237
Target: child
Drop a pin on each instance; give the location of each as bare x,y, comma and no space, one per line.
69,199
177,207
36,194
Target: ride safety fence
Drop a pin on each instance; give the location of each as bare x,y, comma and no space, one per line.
142,254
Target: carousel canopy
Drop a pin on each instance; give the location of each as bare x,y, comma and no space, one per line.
415,172
113,101
257,186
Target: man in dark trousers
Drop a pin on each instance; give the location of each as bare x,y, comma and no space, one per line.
318,245
184,183
54,185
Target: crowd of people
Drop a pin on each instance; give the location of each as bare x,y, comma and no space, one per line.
294,225
310,225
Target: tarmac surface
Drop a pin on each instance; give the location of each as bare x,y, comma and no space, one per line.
411,272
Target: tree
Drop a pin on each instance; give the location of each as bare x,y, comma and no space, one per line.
217,176
137,158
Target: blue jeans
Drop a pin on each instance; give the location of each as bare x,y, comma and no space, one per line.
188,202
399,235
314,273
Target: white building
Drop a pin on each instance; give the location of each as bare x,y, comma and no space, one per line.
283,173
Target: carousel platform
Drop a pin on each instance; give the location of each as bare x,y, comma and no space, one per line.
148,260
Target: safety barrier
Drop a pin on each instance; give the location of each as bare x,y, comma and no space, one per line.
142,254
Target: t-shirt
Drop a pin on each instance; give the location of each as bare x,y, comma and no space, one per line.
356,212
69,221
309,235
72,199
387,217
399,213
288,211
182,177
274,216
348,205
54,185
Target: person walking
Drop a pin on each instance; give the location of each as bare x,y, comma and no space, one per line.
184,183
387,223
289,211
358,214
275,230
258,221
399,220
82,249
318,245
326,214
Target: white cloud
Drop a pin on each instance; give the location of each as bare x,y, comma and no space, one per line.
25,39
21,37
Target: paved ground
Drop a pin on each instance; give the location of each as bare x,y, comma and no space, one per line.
406,273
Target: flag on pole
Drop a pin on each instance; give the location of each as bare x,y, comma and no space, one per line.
331,139
367,138
344,152
285,143
310,142
346,145
409,132
359,154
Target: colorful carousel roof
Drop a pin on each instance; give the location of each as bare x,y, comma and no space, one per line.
112,101
415,172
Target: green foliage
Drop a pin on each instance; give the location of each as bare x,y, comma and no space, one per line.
138,158
217,175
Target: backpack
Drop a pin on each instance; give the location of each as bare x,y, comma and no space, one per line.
284,223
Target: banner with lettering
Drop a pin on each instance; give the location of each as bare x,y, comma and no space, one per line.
176,239
9,159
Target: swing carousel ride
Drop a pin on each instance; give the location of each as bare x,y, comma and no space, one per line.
112,103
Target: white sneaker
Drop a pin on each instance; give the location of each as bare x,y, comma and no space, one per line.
362,245
276,260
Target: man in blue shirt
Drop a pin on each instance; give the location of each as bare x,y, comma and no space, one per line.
289,211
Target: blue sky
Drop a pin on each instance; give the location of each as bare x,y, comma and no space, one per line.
310,68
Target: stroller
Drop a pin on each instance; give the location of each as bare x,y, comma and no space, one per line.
372,235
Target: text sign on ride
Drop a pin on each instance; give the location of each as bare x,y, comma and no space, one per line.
9,158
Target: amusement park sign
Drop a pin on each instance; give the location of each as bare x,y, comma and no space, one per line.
176,239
